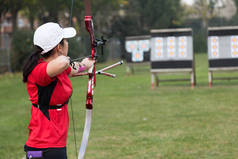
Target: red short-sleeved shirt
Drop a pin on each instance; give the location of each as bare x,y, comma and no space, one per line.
44,132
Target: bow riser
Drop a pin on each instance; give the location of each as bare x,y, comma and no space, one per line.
92,78
89,27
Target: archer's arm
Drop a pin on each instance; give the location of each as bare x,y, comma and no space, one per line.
77,67
57,66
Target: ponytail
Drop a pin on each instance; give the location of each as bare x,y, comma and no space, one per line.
31,63
34,58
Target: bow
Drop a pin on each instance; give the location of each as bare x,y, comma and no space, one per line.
91,76
91,81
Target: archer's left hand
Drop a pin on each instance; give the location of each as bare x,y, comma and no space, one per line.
88,63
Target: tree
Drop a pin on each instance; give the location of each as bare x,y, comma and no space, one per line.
12,6
47,10
235,17
205,10
143,15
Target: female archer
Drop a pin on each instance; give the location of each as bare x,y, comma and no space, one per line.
46,74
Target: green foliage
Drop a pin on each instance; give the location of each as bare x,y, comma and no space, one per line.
143,15
49,10
155,14
22,47
11,5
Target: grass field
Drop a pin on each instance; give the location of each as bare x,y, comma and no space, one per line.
131,121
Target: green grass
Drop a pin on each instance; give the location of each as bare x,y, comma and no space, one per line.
131,121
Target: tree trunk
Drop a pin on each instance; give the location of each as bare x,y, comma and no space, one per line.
31,19
14,20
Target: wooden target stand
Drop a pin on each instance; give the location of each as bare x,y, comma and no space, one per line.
220,70
222,52
182,61
156,72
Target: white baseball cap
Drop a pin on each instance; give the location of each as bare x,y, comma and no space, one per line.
49,35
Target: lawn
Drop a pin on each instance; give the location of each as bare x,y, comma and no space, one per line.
131,121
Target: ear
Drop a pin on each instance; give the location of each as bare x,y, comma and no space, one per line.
58,48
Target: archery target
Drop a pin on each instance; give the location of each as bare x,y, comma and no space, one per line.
214,46
144,45
234,46
167,48
171,49
137,48
159,53
223,47
182,47
171,46
131,46
137,55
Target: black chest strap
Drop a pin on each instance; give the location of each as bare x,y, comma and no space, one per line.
58,106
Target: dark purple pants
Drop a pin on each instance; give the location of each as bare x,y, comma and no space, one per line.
46,153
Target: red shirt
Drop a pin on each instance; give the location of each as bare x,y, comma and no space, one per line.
44,132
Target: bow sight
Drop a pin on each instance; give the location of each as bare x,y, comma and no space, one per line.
100,42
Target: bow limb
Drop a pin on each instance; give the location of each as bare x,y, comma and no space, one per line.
91,82
89,107
86,133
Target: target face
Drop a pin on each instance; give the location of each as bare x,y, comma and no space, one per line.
171,48
137,48
234,46
214,48
222,47
182,47
159,44
131,46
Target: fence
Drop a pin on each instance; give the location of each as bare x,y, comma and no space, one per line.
5,65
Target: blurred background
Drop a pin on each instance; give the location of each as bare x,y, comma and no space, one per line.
113,19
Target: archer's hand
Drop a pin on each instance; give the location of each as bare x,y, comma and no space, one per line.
88,63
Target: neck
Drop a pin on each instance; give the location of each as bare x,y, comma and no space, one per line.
52,57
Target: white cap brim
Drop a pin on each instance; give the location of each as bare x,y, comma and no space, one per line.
69,32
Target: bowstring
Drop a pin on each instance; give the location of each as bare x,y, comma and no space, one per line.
72,114
71,12
71,103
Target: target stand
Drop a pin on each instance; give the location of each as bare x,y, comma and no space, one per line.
172,52
222,52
